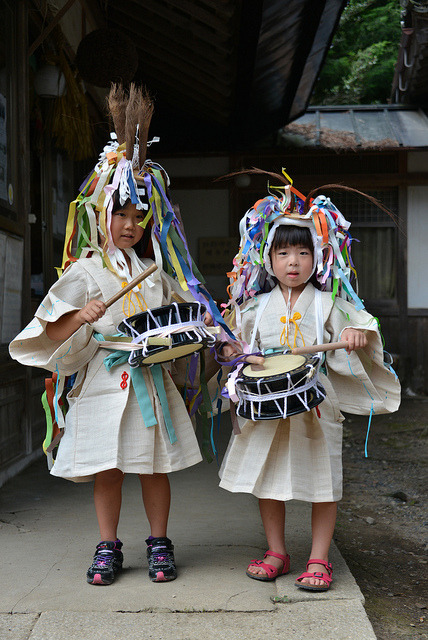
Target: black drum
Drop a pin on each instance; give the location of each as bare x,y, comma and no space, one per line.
286,385
167,333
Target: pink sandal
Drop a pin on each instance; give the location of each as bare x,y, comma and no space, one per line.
272,572
316,574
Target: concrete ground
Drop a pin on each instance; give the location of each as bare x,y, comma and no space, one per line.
49,532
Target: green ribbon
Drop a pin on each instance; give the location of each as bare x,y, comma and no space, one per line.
143,397
335,288
49,425
156,371
262,245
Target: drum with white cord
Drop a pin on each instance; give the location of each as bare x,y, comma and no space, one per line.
167,333
285,385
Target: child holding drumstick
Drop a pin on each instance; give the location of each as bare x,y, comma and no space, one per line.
120,419
289,247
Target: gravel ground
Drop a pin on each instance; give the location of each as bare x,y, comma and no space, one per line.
383,520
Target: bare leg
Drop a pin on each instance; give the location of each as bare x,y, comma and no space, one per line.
323,523
108,500
273,518
157,499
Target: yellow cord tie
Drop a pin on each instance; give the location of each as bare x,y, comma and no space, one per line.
285,332
128,306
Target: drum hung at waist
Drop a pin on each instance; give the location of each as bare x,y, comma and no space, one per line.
274,406
167,333
277,367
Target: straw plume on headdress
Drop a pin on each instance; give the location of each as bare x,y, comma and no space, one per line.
115,173
128,111
124,174
117,101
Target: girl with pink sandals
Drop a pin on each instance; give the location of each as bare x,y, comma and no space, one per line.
291,287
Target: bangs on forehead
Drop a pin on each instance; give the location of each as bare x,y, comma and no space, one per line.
292,235
116,203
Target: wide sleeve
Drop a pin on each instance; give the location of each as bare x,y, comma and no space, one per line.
361,379
32,347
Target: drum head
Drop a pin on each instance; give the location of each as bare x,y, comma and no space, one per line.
275,365
158,355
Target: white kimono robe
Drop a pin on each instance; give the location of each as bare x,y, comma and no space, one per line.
104,426
301,457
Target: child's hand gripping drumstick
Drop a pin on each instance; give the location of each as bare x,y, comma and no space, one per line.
95,309
315,348
230,352
353,339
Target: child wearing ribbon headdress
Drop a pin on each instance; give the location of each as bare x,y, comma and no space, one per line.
292,286
119,419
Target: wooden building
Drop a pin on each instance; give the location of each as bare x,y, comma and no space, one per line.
381,150
224,74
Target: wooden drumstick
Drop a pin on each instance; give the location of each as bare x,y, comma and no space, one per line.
255,359
315,348
176,297
131,285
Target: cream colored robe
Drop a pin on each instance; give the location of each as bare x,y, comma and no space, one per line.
104,427
301,457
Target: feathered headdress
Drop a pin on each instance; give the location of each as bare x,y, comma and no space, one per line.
124,172
252,273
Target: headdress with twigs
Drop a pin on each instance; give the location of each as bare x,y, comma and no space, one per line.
252,273
124,172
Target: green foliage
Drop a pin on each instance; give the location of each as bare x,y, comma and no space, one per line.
360,64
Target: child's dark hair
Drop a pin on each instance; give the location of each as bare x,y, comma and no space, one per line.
292,235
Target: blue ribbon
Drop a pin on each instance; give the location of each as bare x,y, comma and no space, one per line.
143,397
165,229
156,371
368,431
134,197
359,305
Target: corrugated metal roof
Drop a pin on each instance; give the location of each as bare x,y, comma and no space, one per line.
225,74
358,127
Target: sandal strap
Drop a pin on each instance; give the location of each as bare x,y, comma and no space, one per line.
316,574
325,564
269,568
274,554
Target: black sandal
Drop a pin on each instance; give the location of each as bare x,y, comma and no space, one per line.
160,555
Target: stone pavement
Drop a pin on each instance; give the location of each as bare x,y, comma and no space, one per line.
49,532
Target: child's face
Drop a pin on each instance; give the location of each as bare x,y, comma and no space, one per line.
292,266
125,230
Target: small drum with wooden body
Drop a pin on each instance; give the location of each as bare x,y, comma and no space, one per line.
167,333
286,384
